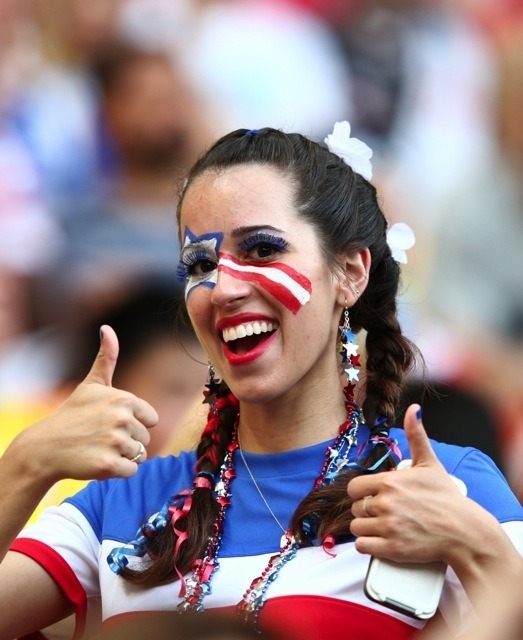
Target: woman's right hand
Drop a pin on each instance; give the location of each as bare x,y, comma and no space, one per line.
94,434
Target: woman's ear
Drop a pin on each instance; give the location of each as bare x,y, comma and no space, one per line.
354,276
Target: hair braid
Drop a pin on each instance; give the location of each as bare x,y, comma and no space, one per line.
191,523
390,355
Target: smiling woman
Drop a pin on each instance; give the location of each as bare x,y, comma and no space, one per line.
284,259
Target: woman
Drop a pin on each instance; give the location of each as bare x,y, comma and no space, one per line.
284,258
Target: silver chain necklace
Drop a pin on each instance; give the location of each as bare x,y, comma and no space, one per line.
284,531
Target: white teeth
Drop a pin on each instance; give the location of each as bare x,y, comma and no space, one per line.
240,331
248,329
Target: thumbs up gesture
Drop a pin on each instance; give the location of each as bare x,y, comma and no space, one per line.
408,514
98,432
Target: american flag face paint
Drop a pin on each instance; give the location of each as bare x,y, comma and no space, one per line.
288,286
201,261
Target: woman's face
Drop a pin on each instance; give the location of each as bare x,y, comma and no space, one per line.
259,292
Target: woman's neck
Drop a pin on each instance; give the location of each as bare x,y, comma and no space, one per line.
291,423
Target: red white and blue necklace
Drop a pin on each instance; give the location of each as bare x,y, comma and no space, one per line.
199,584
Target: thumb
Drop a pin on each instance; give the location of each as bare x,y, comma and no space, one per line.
420,448
105,362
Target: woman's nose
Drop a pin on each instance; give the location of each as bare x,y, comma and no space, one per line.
229,289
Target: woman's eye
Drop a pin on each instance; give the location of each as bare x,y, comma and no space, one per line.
263,245
201,267
265,250
195,264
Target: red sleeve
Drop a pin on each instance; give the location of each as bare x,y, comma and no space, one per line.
61,573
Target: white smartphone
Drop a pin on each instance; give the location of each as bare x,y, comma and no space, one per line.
408,587
411,588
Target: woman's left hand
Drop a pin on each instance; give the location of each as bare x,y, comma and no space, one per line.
413,514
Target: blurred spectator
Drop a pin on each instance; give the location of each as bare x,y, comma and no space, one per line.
374,38
407,59
476,287
127,230
151,118
56,109
267,63
29,237
19,50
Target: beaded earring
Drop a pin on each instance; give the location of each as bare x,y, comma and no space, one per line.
348,352
212,386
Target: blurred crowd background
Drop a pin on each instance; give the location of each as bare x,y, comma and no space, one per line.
105,103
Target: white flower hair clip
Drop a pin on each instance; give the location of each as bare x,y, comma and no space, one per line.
352,151
400,238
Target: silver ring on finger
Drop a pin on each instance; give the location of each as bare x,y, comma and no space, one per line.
365,506
141,451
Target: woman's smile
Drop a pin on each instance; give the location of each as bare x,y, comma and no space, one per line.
242,333
246,336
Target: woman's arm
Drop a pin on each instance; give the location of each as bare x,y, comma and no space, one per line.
500,614
92,435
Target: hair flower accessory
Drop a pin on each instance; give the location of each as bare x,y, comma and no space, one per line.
400,237
352,151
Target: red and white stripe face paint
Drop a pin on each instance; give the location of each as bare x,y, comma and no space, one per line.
282,282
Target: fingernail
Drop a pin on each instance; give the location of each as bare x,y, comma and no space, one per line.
419,414
101,335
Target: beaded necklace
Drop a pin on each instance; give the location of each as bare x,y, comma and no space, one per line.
199,584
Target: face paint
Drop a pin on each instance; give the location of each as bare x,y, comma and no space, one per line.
199,260
284,283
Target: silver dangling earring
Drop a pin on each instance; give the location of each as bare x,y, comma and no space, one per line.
212,386
349,352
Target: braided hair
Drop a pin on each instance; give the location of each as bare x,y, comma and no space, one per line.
343,208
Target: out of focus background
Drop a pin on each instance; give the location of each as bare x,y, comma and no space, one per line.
104,104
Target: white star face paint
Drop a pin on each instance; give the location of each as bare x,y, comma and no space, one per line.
199,260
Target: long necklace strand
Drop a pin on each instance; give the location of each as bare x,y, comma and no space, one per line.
284,531
199,585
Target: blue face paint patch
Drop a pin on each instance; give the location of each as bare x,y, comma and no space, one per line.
199,260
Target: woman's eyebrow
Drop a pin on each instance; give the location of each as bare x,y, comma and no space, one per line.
239,232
